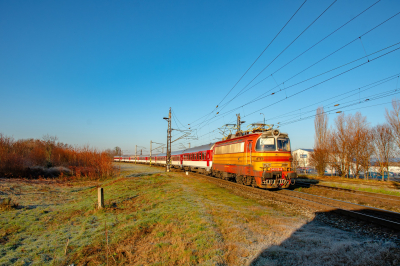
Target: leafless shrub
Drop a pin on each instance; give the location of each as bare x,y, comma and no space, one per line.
49,158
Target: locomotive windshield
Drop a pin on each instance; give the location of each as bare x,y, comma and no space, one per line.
283,145
272,144
265,144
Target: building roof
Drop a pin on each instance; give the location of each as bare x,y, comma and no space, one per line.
309,150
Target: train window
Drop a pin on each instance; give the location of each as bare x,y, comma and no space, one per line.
283,145
265,144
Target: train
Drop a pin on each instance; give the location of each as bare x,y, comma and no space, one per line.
259,158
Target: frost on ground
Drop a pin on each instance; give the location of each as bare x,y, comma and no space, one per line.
316,243
170,219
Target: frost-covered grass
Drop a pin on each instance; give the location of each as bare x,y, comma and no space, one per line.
152,218
318,244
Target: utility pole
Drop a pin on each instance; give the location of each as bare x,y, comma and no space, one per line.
189,145
238,123
169,138
162,149
150,152
135,153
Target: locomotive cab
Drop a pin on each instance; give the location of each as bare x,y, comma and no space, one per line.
276,166
261,159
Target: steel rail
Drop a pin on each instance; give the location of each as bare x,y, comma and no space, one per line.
315,202
395,199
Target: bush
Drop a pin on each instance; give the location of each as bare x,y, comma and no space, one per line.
47,158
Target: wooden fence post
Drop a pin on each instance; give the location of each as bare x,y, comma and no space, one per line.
100,197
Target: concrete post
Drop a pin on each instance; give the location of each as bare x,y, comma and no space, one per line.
100,197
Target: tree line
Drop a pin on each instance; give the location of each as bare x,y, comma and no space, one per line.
351,145
33,158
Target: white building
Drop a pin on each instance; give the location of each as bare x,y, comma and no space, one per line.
302,156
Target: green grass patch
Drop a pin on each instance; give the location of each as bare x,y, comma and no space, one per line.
368,189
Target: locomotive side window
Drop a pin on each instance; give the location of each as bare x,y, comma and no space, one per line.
283,145
265,144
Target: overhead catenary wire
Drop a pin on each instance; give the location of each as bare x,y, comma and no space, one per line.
333,99
258,98
254,61
298,36
353,102
344,72
329,55
283,83
262,52
320,83
355,39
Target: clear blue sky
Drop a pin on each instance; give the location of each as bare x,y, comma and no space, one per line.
104,73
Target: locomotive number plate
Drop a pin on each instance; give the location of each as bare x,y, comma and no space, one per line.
276,169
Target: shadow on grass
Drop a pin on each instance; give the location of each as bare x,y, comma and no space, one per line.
321,242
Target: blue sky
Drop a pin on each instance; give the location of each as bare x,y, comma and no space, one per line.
104,73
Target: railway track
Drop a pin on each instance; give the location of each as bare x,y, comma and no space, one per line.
368,214
372,197
372,215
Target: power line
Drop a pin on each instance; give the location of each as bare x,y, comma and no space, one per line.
258,98
255,61
375,84
263,51
380,24
327,79
241,92
298,36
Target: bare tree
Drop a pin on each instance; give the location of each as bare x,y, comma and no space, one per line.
117,151
359,140
384,146
319,158
343,146
365,155
295,162
333,157
321,128
393,118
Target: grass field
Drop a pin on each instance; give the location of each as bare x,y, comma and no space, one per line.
157,218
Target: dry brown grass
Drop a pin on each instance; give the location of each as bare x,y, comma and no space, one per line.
152,219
